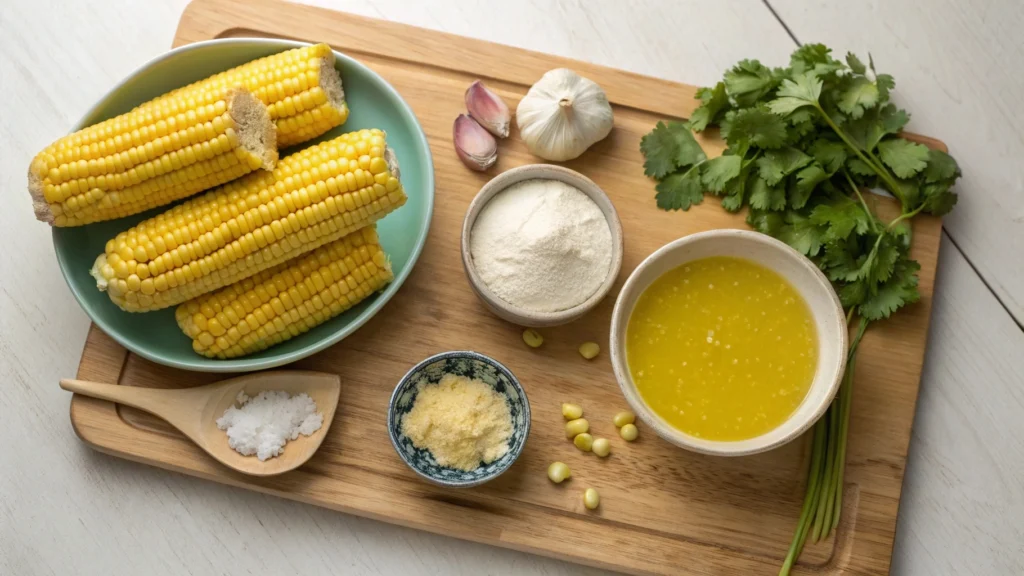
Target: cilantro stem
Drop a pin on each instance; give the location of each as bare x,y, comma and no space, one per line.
810,498
904,216
867,211
832,428
846,399
824,496
872,161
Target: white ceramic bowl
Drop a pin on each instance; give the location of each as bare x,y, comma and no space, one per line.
521,316
816,290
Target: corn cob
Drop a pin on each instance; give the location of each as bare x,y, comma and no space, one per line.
147,158
313,197
288,299
300,87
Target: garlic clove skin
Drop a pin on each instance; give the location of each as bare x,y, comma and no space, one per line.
475,146
562,115
488,109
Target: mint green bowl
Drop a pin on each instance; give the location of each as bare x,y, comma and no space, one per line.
373,103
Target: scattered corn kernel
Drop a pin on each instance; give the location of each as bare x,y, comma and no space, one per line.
532,338
584,441
589,350
628,432
572,411
574,428
602,447
558,472
591,499
623,418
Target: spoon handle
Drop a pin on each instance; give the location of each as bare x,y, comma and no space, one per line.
147,399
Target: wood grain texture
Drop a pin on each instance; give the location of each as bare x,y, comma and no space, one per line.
663,510
64,509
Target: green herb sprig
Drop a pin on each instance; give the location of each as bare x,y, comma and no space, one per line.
802,142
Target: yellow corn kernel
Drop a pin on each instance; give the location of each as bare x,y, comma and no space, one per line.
140,170
589,350
576,427
139,154
231,233
572,411
277,313
532,338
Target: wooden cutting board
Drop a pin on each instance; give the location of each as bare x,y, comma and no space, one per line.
663,510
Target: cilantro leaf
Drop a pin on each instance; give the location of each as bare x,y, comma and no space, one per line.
754,127
829,154
803,90
885,83
736,192
813,58
941,166
899,290
852,294
765,222
680,190
841,216
876,123
893,119
857,95
800,233
713,102
904,157
715,173
764,196
884,259
668,147
801,187
859,167
855,64
777,164
938,198
748,81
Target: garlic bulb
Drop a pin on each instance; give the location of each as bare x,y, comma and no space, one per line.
562,115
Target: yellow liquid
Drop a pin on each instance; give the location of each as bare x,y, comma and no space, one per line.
722,348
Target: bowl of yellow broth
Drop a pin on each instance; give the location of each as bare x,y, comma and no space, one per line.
728,342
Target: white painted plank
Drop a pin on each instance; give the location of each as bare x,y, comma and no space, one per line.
958,71
67,510
962,510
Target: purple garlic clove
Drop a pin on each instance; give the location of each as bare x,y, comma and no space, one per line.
488,109
475,146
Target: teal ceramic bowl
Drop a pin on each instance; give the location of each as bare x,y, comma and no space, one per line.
429,372
373,103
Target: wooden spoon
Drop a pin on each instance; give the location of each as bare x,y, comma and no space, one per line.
194,411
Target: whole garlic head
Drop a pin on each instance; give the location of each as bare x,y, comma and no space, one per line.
562,115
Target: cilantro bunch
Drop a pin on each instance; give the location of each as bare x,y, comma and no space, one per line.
802,142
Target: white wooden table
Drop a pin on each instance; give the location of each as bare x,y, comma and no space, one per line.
65,509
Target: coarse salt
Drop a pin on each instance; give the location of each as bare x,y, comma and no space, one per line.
263,424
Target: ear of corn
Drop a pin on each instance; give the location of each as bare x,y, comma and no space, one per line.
300,87
313,197
151,157
188,140
287,300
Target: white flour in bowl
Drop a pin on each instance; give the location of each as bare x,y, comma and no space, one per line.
263,424
542,245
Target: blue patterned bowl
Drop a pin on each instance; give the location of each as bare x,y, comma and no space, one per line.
472,365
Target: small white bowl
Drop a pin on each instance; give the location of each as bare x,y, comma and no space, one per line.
829,320
522,316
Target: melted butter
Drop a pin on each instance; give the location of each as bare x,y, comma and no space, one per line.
722,348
